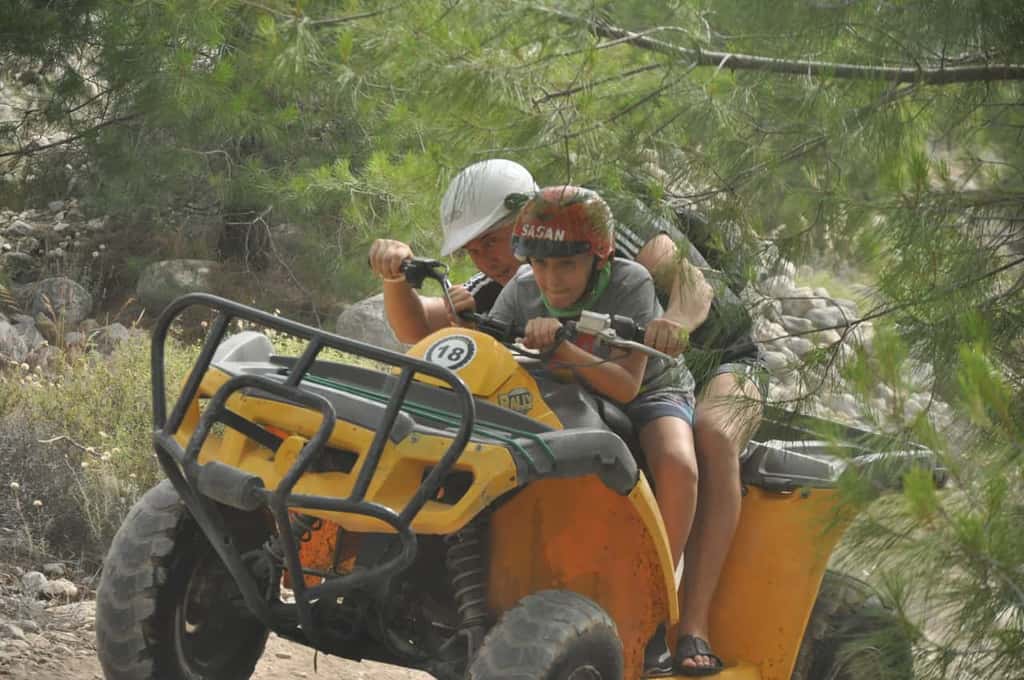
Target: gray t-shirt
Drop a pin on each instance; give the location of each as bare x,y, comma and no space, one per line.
630,292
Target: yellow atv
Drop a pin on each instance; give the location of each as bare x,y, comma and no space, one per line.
457,514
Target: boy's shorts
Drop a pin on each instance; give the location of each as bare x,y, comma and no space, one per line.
659,404
745,369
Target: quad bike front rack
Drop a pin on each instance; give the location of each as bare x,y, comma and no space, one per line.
202,487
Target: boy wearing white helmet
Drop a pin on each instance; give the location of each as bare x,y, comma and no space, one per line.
475,216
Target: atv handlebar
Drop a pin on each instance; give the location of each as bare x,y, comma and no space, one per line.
613,330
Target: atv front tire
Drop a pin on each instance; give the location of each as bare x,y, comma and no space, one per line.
853,635
166,607
551,635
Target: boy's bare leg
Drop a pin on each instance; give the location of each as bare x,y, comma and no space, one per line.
728,411
668,445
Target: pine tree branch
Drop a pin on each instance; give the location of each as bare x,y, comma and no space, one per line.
31,149
319,23
596,83
749,62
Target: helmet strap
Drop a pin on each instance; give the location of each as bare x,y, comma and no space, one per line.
598,283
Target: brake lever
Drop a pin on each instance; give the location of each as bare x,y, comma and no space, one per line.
608,337
418,269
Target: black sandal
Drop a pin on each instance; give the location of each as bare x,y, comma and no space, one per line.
690,646
658,661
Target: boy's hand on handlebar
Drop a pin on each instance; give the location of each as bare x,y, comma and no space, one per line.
666,335
462,301
541,332
387,256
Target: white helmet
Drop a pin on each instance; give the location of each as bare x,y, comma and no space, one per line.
475,200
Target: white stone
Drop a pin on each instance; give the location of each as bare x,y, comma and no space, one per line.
883,391
775,362
60,298
826,338
60,589
32,582
801,301
10,631
799,346
54,569
20,228
12,345
828,317
162,282
109,337
796,324
849,306
365,321
765,330
776,286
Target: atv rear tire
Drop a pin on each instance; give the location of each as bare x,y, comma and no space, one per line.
853,635
166,607
551,635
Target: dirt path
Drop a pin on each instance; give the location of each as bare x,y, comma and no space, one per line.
63,648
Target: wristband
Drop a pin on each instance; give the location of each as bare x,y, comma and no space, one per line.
394,279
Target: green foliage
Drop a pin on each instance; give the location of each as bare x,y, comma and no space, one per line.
80,443
346,123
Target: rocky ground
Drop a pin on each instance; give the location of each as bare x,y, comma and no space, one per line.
47,633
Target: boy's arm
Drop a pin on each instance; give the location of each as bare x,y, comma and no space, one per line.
689,294
411,316
618,379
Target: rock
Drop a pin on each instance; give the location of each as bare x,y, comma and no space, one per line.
919,375
776,286
74,339
765,330
20,228
12,346
883,391
799,346
88,326
849,306
28,625
109,337
776,362
828,317
24,327
821,293
19,267
862,335
55,206
54,570
60,589
826,338
801,301
781,393
844,404
879,406
796,324
365,321
162,282
61,300
9,631
27,245
913,407
32,582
